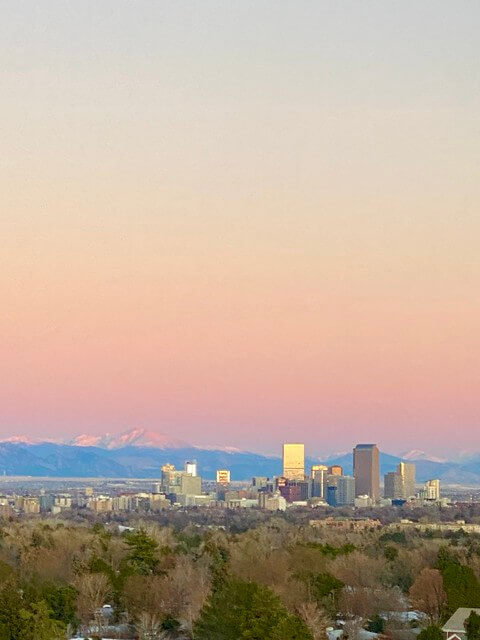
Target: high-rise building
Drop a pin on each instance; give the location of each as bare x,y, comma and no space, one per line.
345,490
294,461
260,483
168,472
366,469
432,489
335,470
190,485
332,499
319,478
393,487
400,484
191,467
223,476
406,470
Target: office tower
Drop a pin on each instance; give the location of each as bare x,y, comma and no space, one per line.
432,489
345,490
168,473
292,492
191,467
393,486
259,482
332,495
319,478
407,472
331,485
366,469
335,470
294,461
223,476
190,485
400,484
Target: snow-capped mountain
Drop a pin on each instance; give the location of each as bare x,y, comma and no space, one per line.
138,437
25,440
140,453
418,454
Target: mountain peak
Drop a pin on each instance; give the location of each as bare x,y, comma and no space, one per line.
136,437
22,440
418,454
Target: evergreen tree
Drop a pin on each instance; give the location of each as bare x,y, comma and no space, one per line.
432,632
244,610
38,625
61,600
11,603
472,626
291,628
459,581
143,553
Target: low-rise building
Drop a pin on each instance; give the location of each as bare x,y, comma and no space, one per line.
454,628
101,504
348,524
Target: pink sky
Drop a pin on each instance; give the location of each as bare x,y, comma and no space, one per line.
242,226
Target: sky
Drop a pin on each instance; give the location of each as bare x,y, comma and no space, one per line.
242,223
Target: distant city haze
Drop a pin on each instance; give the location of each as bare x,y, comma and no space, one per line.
242,223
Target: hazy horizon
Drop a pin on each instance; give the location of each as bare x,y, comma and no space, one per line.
242,223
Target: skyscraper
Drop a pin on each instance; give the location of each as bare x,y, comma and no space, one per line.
407,472
400,484
223,476
366,469
432,489
335,470
191,467
319,480
393,486
294,461
345,490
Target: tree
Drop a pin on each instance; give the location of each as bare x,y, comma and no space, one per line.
461,586
149,627
61,600
93,590
246,610
358,602
352,628
142,557
472,626
291,628
428,595
322,587
38,625
316,619
432,632
390,553
376,624
11,604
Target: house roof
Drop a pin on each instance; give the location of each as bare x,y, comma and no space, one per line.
457,621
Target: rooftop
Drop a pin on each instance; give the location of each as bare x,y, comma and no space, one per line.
456,622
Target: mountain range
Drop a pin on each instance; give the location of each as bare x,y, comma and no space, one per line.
140,453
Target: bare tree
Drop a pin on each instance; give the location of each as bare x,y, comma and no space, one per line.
93,590
357,602
352,627
427,593
149,627
315,618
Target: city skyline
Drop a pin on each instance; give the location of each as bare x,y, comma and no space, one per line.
235,222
